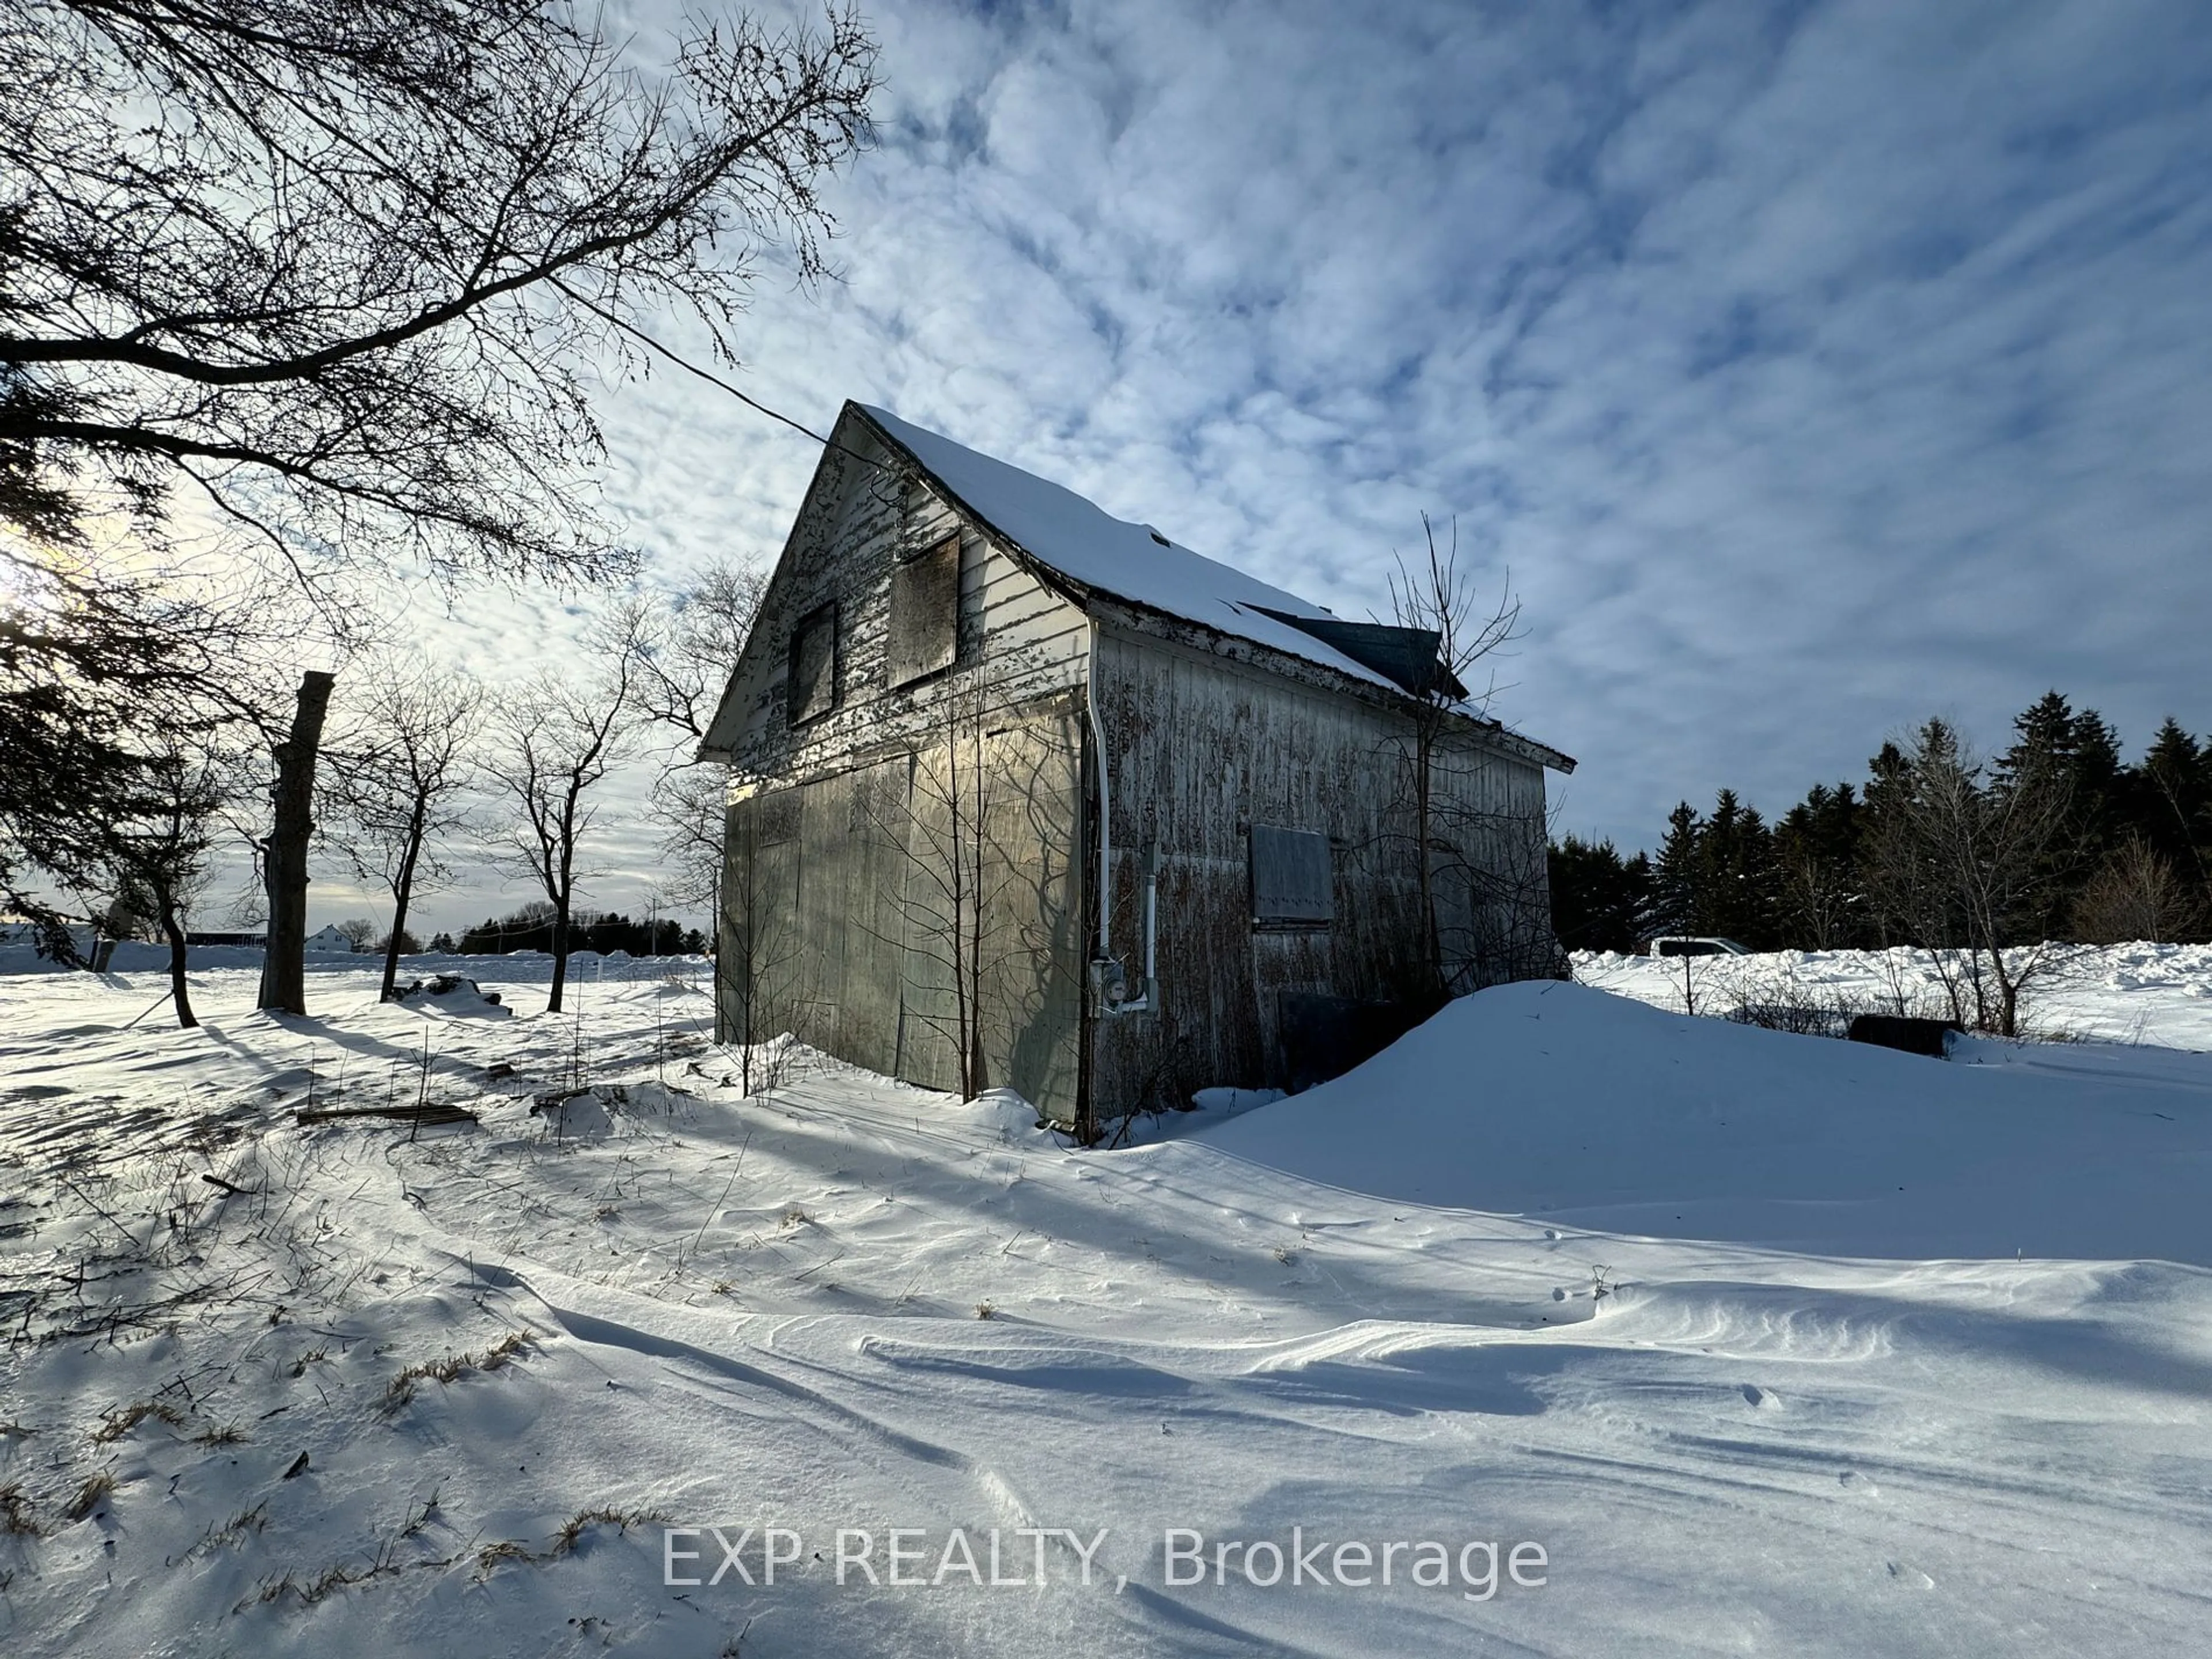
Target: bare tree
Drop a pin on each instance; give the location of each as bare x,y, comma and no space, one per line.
340,281
759,951
284,854
555,745
103,670
403,774
1961,866
1820,894
1435,597
1490,878
2136,895
162,853
340,269
359,932
956,882
682,648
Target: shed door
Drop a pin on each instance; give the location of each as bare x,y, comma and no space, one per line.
811,914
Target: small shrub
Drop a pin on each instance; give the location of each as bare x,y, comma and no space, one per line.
16,1518
117,1423
452,1367
506,1549
89,1497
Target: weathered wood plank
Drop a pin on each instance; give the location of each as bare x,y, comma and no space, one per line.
1202,748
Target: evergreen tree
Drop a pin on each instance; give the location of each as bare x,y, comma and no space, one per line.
1674,894
1598,897
2078,756
1820,897
2170,800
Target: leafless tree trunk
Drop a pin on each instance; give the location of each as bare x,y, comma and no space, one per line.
402,773
558,742
284,963
757,953
957,881
1435,597
161,855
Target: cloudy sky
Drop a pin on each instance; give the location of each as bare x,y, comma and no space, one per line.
1811,368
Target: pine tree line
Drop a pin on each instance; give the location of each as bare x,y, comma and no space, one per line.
531,926
2077,843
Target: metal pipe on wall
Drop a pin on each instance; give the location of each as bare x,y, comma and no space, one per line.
1110,984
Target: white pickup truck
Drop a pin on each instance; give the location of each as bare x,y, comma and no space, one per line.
1683,946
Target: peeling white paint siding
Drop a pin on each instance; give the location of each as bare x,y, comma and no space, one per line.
1018,639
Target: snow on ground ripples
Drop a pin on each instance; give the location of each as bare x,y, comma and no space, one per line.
1518,1281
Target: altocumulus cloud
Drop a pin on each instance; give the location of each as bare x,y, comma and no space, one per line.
1813,368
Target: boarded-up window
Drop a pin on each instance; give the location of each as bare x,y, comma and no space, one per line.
1292,883
925,612
813,688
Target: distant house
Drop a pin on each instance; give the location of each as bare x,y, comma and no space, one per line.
993,751
328,941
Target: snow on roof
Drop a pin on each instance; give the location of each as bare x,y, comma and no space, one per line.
1133,561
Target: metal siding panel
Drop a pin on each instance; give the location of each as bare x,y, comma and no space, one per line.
1292,877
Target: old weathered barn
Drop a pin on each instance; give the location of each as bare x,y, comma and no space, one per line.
974,705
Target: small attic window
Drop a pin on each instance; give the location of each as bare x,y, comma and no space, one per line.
924,634
813,680
1293,880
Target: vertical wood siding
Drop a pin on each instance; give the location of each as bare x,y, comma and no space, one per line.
834,829
1200,750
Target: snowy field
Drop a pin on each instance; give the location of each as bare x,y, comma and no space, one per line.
1772,1343
2129,994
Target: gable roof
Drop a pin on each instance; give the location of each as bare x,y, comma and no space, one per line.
1087,547
1086,553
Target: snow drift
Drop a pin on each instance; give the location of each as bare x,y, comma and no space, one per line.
1566,1102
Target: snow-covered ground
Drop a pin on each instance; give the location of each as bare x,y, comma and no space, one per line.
2131,994
1772,1344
